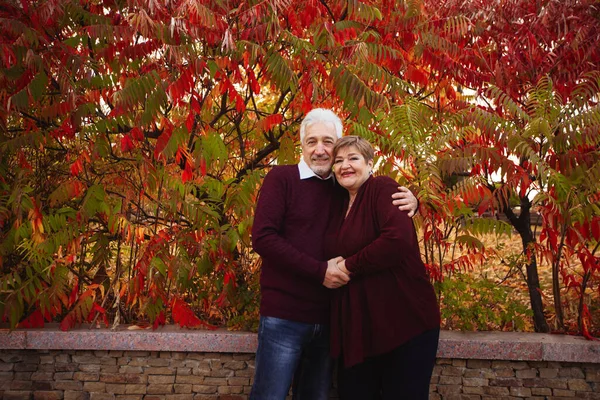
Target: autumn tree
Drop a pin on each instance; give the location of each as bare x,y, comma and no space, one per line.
531,66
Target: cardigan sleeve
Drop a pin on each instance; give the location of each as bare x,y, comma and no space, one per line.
397,239
267,240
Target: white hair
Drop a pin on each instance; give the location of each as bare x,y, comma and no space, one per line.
321,115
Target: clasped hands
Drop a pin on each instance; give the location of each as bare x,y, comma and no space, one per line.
336,275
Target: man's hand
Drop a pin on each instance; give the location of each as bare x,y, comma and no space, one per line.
405,200
334,277
341,264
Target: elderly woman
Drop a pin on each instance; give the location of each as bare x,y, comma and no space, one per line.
385,321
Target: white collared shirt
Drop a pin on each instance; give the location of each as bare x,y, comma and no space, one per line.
306,172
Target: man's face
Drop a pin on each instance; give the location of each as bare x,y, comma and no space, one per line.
317,147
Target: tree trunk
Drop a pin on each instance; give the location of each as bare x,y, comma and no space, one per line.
522,224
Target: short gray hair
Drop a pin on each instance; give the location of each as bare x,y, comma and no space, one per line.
321,115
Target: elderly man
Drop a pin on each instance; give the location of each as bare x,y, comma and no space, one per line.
291,217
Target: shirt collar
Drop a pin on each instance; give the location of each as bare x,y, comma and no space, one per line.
306,172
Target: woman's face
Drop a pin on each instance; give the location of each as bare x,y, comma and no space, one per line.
351,169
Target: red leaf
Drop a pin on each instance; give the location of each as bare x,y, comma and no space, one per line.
76,167
268,122
189,122
416,75
159,320
126,144
187,174
73,295
183,314
137,134
596,228
196,105
162,140
34,320
202,166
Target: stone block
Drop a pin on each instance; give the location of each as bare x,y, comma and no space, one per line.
65,367
122,378
193,379
21,385
234,365
243,357
479,364
548,373
23,376
247,373
504,372
541,391
161,379
159,362
68,385
47,359
578,385
43,385
42,376
48,395
215,381
452,371
238,381
475,382
449,380
526,373
159,389
573,372
132,388
128,369
184,371
5,367
60,376
496,390
221,373
448,389
473,390
21,367
99,387
90,367
506,382
563,393
16,395
459,362
102,396
182,388
86,376
592,374
204,389
76,395
160,370
520,391
115,388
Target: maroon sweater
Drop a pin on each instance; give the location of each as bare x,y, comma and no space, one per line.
289,225
389,298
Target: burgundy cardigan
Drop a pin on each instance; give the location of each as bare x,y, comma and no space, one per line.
389,299
289,225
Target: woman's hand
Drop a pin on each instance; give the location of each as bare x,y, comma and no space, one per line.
334,276
341,265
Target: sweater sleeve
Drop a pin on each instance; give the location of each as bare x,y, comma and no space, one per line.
397,239
267,239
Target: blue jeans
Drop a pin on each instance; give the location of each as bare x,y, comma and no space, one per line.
286,350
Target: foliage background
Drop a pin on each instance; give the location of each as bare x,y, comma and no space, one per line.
135,135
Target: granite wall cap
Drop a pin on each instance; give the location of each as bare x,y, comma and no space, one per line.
515,346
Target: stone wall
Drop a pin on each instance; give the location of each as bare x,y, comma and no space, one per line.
173,364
